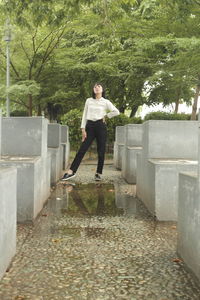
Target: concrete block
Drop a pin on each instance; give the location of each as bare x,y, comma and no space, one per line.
170,139
133,135
64,134
56,163
119,146
120,134
54,135
65,155
160,195
133,143
8,204
118,154
24,136
168,147
129,163
189,221
33,184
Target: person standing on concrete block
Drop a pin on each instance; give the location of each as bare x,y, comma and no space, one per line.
93,126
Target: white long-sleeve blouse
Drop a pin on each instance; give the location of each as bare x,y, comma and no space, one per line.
96,109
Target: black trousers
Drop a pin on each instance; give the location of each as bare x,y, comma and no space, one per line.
95,130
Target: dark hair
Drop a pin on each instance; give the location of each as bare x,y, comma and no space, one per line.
103,92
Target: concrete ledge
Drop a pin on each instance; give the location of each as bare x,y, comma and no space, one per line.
161,193
189,221
8,204
33,184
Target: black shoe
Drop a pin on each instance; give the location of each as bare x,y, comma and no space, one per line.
67,176
97,177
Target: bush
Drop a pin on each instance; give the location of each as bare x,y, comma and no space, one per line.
19,113
161,115
73,120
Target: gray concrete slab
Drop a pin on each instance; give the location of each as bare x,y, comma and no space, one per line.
58,147
129,163
120,134
8,208
189,221
164,141
118,154
162,199
24,136
170,139
33,184
54,135
56,163
65,155
64,134
133,135
119,146
133,145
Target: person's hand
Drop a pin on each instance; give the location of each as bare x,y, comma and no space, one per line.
84,134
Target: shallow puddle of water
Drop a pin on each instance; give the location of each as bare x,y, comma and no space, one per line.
93,199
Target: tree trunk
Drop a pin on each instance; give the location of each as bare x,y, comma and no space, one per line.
39,110
134,110
30,105
176,106
194,106
177,102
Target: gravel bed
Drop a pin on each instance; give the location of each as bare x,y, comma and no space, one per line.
68,255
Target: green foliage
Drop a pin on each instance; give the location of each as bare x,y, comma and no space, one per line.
144,51
73,120
23,88
160,115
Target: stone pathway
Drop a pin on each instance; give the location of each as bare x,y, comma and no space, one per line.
96,241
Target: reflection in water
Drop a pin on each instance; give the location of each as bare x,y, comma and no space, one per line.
124,199
94,199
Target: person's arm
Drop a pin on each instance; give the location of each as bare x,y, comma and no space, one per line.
84,120
113,111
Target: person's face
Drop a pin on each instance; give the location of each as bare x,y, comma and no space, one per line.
98,89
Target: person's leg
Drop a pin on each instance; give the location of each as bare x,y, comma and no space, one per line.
83,148
101,135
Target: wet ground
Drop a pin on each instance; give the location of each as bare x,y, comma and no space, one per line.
97,241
